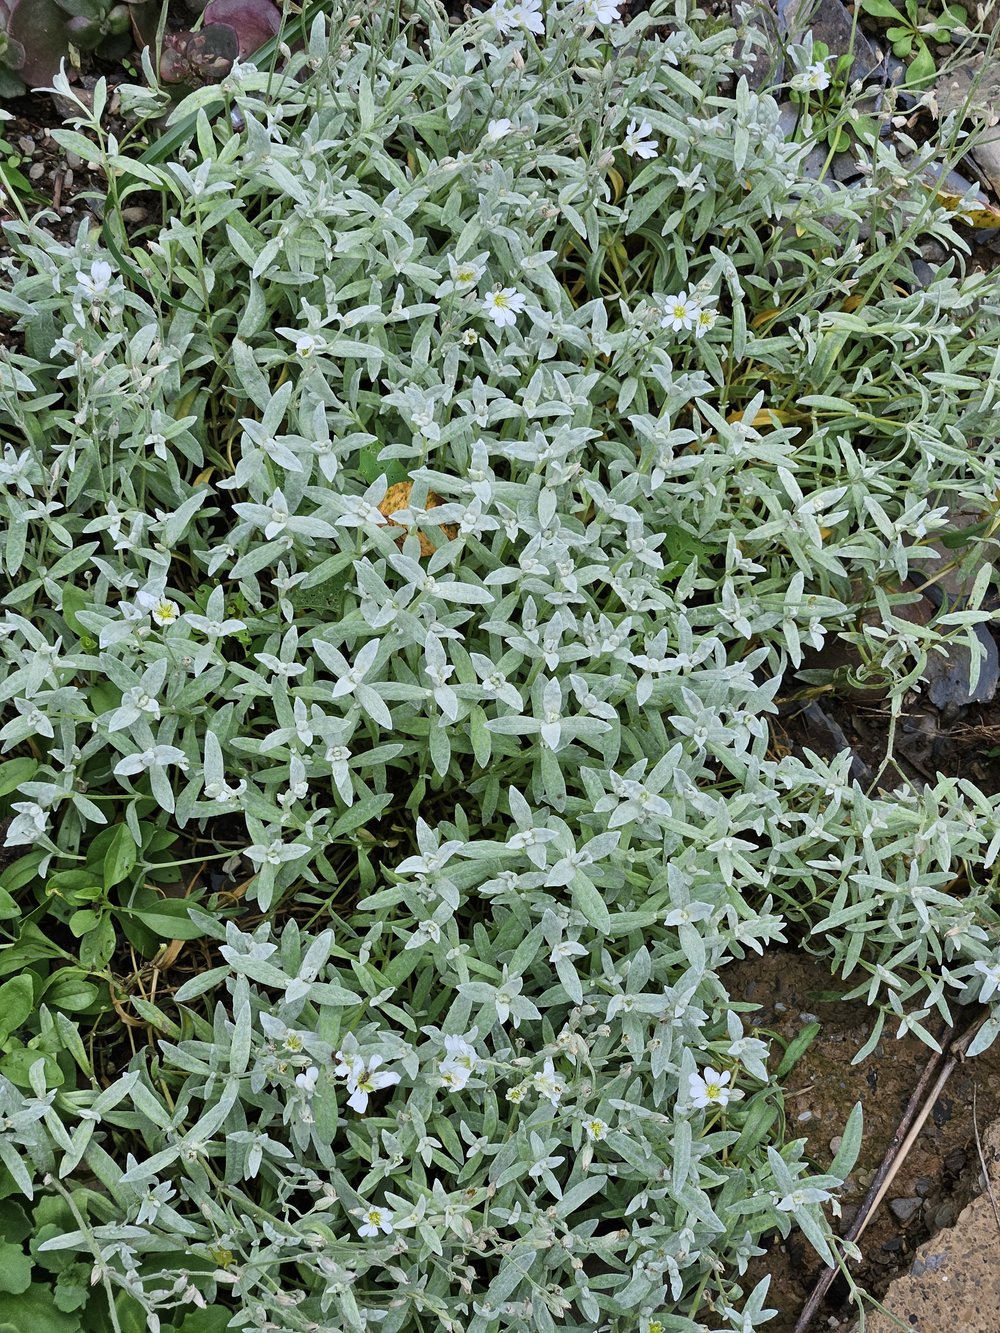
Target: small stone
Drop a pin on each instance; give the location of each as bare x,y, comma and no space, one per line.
808,1018
780,1008
72,160
134,213
67,179
922,1186
903,1209
36,171
835,1143
804,1115
944,1216
26,145
955,1161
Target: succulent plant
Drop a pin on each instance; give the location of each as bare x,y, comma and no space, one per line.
11,57
198,57
253,22
233,29
98,25
35,35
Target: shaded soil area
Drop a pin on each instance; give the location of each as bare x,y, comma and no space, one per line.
937,1176
928,743
61,182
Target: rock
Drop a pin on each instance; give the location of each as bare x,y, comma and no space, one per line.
829,22
945,1217
903,1209
922,1186
835,1143
973,90
758,17
955,1162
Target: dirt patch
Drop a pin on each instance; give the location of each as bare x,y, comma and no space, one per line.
937,1176
928,742
61,182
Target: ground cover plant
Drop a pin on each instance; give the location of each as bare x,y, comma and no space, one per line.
406,541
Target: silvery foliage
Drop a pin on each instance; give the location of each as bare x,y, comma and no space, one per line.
544,751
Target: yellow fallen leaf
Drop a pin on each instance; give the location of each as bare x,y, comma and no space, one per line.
398,497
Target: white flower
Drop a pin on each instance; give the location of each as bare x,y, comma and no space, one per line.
813,79
525,14
308,345
528,14
459,1064
680,312
504,305
636,143
705,321
709,1088
496,129
548,1083
95,284
596,1129
376,1220
307,1080
163,611
601,11
363,1080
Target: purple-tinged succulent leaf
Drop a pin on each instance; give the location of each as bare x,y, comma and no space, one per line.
40,27
198,57
254,21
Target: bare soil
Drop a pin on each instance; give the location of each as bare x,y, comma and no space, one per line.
937,1176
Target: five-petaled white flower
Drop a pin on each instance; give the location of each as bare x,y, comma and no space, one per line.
504,305
363,1079
374,1220
459,1064
601,11
813,79
548,1083
680,312
705,321
95,284
525,14
596,1129
497,129
709,1088
637,143
163,611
